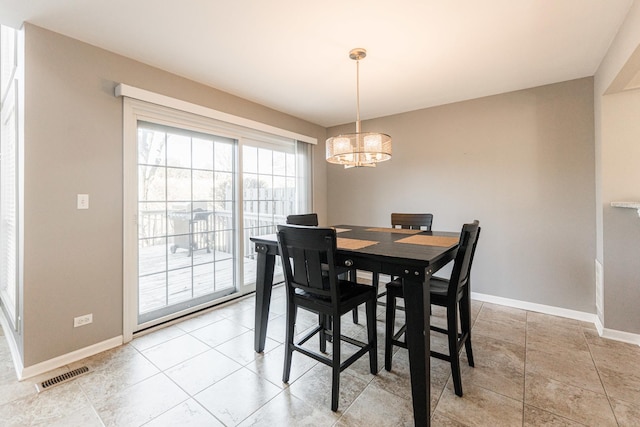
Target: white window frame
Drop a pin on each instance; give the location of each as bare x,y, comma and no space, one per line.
142,105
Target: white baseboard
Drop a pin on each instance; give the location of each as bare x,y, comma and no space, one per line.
65,359
620,336
562,312
539,308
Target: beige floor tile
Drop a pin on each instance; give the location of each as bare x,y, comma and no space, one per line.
48,407
535,417
621,385
237,396
627,414
141,402
439,420
376,407
116,376
200,321
556,340
504,329
612,354
241,348
287,410
575,368
270,366
186,414
571,402
479,407
314,387
151,339
499,366
175,351
219,332
199,372
501,313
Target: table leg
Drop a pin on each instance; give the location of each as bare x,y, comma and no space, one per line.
417,301
264,281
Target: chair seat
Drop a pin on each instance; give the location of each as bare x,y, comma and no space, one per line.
437,286
351,295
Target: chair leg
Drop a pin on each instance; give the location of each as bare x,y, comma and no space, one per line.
335,365
372,335
323,323
288,346
352,275
465,325
454,359
354,313
389,321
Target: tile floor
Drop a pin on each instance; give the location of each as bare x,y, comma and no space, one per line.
531,370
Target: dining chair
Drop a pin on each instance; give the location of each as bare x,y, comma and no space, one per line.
303,250
454,294
311,219
303,219
408,221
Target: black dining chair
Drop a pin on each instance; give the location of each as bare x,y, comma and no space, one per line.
311,219
303,219
407,221
304,251
453,294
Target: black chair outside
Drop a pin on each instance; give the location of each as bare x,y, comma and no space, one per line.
453,294
304,251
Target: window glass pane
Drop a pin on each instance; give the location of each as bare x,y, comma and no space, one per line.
202,185
202,154
250,159
178,150
265,161
151,183
178,184
223,156
151,147
279,163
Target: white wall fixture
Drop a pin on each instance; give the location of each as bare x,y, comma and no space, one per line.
631,205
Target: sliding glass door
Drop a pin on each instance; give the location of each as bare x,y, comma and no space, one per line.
196,190
186,219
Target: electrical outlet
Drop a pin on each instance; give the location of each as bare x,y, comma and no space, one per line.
83,201
82,320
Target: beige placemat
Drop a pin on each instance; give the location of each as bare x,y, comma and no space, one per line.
395,230
344,243
430,240
342,230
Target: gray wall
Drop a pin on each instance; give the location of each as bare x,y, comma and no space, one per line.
618,155
73,144
522,163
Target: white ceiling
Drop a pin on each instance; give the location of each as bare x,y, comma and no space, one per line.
292,55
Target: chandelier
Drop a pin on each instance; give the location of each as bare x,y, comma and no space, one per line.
360,148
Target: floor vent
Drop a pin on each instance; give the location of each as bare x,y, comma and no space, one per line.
67,376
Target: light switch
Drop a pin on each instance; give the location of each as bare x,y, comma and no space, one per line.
83,201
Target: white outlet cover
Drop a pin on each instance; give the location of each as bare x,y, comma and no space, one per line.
83,201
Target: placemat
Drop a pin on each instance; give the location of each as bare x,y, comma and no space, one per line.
345,243
430,240
395,230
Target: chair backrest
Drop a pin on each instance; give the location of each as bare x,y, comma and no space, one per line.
412,221
303,219
304,250
464,258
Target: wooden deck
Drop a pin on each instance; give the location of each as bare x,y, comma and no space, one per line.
167,278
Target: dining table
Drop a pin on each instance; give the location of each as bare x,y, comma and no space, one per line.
412,255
